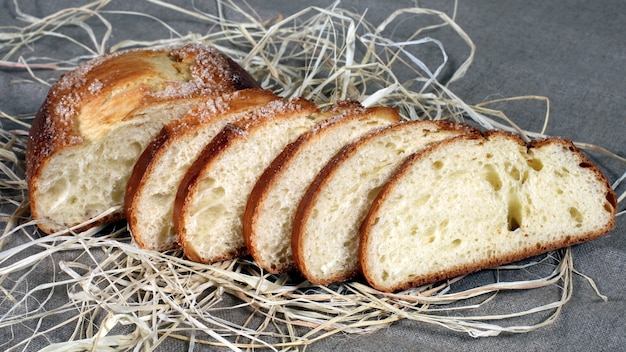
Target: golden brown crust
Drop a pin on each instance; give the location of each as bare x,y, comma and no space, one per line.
266,180
135,182
341,111
210,153
205,112
87,102
369,219
492,262
188,184
310,196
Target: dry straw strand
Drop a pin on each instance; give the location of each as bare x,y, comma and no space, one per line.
120,297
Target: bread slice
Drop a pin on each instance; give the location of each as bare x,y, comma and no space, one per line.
476,202
273,201
210,202
152,186
97,119
325,234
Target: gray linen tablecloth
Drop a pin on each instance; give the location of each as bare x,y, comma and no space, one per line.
571,51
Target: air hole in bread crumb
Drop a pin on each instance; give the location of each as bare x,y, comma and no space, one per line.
559,191
371,195
214,212
218,192
391,145
525,176
394,147
421,200
513,224
514,215
491,176
60,188
576,215
117,193
208,182
536,164
515,173
135,149
437,164
429,235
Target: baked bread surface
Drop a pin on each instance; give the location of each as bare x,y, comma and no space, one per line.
270,210
97,119
476,202
211,199
325,236
149,200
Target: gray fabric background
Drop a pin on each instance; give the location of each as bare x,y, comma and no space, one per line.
571,51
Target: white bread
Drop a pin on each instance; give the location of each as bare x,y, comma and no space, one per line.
210,202
152,186
325,234
475,202
273,201
97,119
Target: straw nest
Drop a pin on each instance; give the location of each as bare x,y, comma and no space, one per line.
116,296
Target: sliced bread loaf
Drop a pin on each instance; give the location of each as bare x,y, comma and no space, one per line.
212,196
475,202
152,186
325,234
97,119
273,201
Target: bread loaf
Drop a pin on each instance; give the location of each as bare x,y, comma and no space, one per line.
212,196
97,119
245,171
326,224
268,218
152,186
475,202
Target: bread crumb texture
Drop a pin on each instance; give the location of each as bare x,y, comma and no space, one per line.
275,199
150,211
212,218
331,213
97,119
470,204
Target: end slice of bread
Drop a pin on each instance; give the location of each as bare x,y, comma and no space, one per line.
272,204
325,236
97,119
210,202
152,186
475,202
